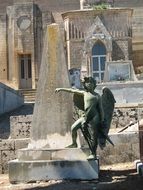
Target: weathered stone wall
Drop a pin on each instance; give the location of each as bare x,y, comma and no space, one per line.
121,49
20,126
4,4
126,149
58,5
124,116
137,28
8,149
137,40
76,54
130,3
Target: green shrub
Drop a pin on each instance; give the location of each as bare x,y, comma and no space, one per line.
101,6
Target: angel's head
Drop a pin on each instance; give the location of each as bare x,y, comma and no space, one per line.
89,83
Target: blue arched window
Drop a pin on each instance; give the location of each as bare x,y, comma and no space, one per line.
98,61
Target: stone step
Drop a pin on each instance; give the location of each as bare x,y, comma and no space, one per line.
53,154
29,94
42,170
29,98
27,90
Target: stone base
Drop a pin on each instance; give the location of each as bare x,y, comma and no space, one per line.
53,154
31,171
52,164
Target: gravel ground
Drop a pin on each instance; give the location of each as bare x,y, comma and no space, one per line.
119,176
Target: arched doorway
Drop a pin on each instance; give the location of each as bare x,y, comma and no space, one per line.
98,61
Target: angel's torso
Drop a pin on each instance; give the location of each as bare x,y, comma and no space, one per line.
90,99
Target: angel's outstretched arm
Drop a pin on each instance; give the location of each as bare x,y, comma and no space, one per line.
71,90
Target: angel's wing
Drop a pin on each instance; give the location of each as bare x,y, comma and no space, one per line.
108,103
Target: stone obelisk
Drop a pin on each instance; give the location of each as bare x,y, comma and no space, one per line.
52,116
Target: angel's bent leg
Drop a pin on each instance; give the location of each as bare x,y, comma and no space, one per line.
74,129
94,134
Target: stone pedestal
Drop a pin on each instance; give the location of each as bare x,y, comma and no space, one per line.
52,164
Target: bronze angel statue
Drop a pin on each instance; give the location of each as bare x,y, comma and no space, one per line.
97,114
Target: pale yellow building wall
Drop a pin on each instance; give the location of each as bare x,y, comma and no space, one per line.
3,48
